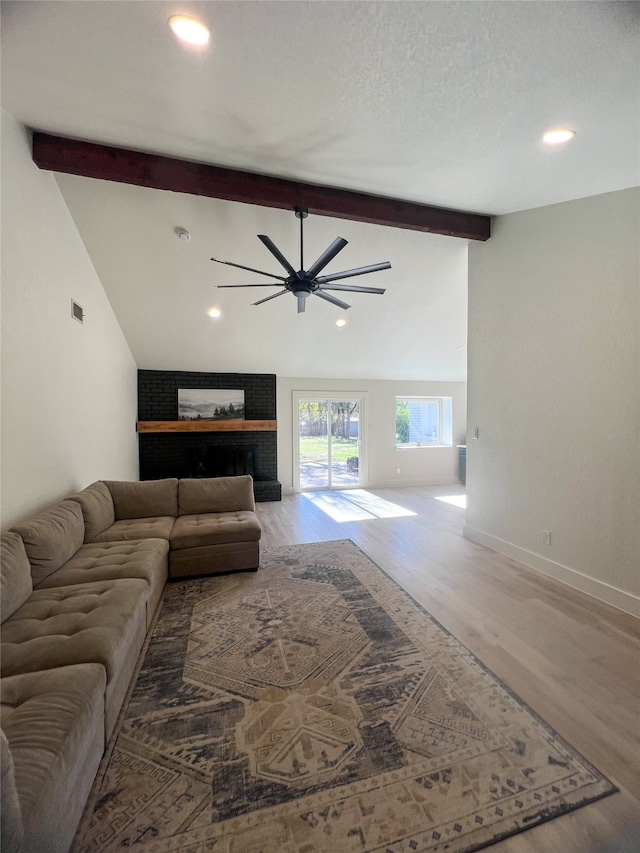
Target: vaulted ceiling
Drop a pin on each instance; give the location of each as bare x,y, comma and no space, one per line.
442,103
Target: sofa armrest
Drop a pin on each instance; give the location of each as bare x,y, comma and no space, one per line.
215,494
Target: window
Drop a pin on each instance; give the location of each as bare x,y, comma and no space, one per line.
423,422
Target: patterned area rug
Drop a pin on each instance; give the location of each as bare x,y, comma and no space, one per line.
315,707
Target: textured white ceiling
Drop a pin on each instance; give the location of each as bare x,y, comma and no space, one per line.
439,102
161,288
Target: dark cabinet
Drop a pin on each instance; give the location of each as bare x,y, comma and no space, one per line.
462,463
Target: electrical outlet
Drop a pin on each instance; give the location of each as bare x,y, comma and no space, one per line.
474,432
546,537
397,470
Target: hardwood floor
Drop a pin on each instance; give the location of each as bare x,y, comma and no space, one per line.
574,660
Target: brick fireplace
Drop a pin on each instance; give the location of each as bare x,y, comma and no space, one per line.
169,453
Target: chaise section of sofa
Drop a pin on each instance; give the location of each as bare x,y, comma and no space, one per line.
217,529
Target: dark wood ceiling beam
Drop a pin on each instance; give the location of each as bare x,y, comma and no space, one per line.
75,157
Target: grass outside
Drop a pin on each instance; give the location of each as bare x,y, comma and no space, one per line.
313,448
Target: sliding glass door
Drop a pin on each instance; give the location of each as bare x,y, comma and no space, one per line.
329,442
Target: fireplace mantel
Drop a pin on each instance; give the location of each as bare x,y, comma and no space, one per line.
207,426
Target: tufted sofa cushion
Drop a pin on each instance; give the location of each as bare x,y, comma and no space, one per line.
15,575
54,725
219,494
52,537
159,527
98,561
145,499
192,531
97,509
102,622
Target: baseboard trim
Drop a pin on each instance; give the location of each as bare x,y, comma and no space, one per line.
389,484
604,592
405,484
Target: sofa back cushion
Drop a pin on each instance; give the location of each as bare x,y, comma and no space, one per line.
52,538
216,494
144,500
15,577
97,509
11,822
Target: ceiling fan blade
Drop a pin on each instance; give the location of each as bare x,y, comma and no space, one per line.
249,269
328,255
246,285
277,254
273,296
336,276
353,288
335,301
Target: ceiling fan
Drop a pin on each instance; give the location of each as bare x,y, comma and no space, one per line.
305,283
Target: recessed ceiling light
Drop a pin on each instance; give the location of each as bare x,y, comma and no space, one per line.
215,313
189,30
558,135
341,322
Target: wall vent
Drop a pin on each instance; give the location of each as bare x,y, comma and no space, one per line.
77,311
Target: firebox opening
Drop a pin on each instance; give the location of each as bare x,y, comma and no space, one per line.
224,462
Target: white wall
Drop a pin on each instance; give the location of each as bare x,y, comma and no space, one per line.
68,390
419,466
553,359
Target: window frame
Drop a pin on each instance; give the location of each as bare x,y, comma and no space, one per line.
444,411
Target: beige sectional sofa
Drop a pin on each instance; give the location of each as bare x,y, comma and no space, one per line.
210,523
80,585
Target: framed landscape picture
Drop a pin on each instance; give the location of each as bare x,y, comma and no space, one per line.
211,404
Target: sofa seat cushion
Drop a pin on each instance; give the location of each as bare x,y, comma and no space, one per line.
193,531
146,559
159,527
102,622
64,625
52,537
15,575
54,723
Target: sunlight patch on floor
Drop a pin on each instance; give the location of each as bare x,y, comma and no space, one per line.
355,505
456,500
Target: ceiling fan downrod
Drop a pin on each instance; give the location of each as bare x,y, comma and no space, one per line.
301,213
